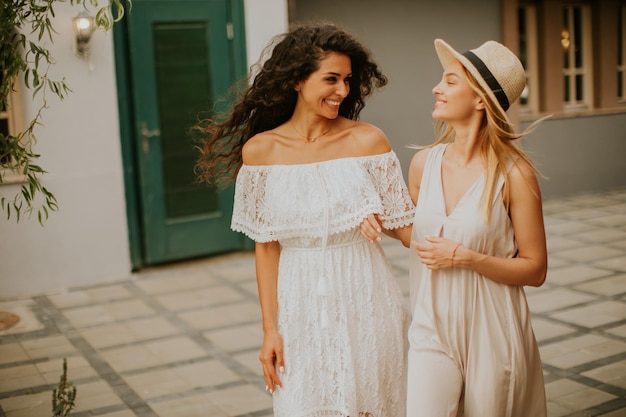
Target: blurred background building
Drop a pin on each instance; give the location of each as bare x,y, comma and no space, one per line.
120,157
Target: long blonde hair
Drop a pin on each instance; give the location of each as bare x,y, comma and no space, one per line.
498,146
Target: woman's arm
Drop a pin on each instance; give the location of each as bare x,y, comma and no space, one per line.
371,227
271,357
530,266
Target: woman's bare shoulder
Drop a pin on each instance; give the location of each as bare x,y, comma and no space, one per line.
416,169
522,176
371,139
258,148
419,159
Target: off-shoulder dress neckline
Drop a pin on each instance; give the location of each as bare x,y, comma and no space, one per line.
342,158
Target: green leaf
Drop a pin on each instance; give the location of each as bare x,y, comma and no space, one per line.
20,22
26,78
25,194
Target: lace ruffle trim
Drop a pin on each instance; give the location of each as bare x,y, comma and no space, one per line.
286,201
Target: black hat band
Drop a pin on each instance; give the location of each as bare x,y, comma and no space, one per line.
489,79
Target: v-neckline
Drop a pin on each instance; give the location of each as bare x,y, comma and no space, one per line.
443,194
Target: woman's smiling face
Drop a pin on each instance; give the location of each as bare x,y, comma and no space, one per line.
455,99
324,90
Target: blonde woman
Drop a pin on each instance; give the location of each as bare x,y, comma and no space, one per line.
478,238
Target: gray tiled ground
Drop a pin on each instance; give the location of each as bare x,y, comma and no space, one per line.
182,340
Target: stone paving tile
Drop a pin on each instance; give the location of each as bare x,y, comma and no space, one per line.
52,369
129,332
153,353
28,320
95,395
199,297
616,263
250,360
154,282
567,228
180,378
611,220
618,331
109,312
600,236
546,329
183,340
124,413
188,406
614,374
590,253
47,347
222,316
580,350
12,353
613,285
236,338
560,243
556,299
594,315
555,262
27,405
621,244
572,274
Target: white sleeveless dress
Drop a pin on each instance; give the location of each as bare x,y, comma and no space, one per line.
341,313
472,348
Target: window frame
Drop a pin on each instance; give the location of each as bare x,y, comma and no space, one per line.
621,66
586,68
599,27
14,114
531,54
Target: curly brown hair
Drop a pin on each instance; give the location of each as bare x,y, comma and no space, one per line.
271,99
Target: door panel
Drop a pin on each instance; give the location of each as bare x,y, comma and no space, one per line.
183,89
180,65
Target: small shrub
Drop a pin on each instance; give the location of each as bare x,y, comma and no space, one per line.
64,395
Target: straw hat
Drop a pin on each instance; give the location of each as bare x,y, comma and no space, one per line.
499,72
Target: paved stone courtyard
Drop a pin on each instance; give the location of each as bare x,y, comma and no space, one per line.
182,340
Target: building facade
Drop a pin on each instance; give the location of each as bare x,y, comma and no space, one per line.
120,160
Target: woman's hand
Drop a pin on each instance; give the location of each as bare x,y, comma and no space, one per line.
371,227
271,358
437,252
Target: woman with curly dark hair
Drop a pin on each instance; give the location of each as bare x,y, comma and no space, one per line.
307,173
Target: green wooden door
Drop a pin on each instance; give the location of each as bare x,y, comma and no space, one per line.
181,61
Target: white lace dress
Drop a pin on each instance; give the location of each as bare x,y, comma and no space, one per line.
341,313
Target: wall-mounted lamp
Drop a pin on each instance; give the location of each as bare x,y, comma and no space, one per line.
84,26
565,39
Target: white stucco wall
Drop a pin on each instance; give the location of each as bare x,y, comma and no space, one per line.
264,20
86,241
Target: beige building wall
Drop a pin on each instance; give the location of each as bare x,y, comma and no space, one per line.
576,153
400,34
